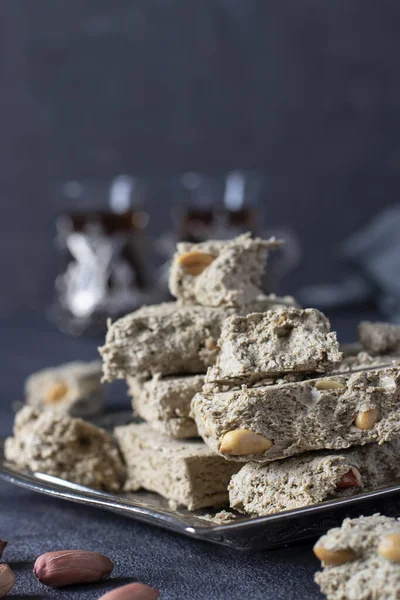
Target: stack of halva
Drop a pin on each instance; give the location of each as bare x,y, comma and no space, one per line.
163,353
284,417
329,432
244,397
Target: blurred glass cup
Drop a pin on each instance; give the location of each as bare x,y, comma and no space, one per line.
103,244
220,206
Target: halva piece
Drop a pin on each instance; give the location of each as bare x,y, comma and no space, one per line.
265,423
361,560
65,447
220,273
169,339
185,472
274,343
73,388
263,489
164,402
379,338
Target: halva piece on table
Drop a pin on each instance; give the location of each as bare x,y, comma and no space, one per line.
360,560
267,423
73,388
169,339
185,472
220,273
379,338
263,489
270,344
65,447
164,402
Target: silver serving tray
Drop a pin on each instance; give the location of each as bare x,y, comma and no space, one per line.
244,533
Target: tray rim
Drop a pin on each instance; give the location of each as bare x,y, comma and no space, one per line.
205,530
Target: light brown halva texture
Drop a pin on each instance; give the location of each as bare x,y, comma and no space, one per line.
219,273
170,339
164,402
270,344
186,472
379,338
263,489
271,422
73,388
65,447
361,560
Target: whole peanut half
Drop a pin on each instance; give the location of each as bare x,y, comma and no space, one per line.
68,567
334,557
329,384
194,262
56,392
366,419
389,547
2,546
133,591
7,580
244,441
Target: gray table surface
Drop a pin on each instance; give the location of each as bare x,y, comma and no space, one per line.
179,567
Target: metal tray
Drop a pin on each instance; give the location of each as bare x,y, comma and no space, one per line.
244,533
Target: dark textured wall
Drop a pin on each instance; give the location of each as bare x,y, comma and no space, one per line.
306,91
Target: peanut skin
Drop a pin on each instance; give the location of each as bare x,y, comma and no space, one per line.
7,580
2,546
133,591
68,567
350,479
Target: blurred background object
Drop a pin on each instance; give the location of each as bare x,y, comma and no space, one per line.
222,207
306,94
103,245
371,261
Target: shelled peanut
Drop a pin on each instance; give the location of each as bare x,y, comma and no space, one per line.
132,591
69,567
7,580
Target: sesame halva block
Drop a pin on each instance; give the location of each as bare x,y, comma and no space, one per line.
360,560
72,388
265,423
274,343
185,472
169,339
65,447
263,489
164,338
164,402
220,272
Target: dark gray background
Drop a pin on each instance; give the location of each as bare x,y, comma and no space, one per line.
308,92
